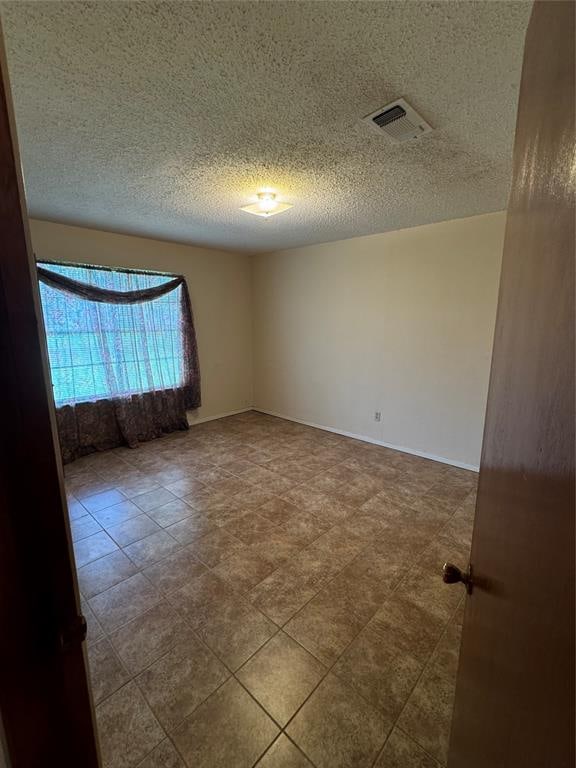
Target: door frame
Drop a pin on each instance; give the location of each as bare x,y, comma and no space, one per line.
514,704
45,700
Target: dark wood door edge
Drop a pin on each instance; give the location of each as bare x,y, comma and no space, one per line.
45,701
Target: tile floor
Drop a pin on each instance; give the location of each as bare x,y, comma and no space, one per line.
260,593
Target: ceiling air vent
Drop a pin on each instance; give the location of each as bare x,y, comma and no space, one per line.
399,121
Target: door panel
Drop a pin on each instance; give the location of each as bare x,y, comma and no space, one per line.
514,698
45,703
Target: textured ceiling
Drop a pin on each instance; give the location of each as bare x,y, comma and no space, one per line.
162,119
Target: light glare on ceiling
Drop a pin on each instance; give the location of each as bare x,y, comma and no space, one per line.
266,206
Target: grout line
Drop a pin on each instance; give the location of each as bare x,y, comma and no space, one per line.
411,738
425,667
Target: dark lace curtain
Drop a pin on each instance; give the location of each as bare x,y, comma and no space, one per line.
123,355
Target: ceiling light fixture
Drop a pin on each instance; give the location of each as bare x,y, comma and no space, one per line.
266,206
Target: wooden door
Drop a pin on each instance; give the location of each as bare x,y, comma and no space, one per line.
45,705
515,692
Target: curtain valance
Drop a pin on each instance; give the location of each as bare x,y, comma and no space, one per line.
105,295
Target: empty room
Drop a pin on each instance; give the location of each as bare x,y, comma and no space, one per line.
287,354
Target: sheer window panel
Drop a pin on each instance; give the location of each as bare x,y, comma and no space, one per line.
100,350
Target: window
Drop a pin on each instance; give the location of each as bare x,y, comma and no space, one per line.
104,349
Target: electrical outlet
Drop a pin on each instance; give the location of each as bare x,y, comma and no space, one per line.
377,415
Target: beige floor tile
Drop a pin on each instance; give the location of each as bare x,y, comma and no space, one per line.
224,512
257,475
151,549
163,756
277,510
172,512
229,729
359,490
211,475
278,484
444,549
250,528
345,472
304,527
409,538
452,496
386,510
75,509
409,627
401,752
364,526
184,486
106,672
281,676
133,530
427,715
427,590
284,754
127,729
117,513
325,506
336,728
136,485
234,629
325,627
169,474
379,671
238,466
93,547
180,680
339,544
83,527
205,498
200,598
369,580
102,500
434,508
325,481
191,528
244,569
174,571
120,604
153,499
146,638
231,486
252,498
99,575
277,547
294,470
460,526
215,547
283,593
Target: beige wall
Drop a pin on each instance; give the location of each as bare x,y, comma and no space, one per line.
220,290
401,323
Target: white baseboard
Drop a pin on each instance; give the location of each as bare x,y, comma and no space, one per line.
202,419
366,439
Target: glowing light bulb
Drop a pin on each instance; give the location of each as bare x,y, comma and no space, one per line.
267,202
266,206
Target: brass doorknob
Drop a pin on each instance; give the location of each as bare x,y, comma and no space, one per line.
451,574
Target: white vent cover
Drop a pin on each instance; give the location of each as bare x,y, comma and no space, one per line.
399,120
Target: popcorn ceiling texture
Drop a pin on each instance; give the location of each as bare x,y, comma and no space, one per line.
162,119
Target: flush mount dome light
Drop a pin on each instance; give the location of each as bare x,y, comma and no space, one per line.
266,206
